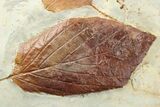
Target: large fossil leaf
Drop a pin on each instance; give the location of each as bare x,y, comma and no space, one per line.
58,5
80,55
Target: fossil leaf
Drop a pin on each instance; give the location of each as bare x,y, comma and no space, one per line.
80,55
58,5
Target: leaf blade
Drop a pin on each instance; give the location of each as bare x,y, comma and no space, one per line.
93,54
59,5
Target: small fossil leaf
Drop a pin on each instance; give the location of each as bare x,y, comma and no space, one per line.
59,5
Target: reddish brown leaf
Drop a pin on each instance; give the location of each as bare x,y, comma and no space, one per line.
58,5
80,55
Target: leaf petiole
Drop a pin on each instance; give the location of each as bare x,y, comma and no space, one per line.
6,77
102,13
